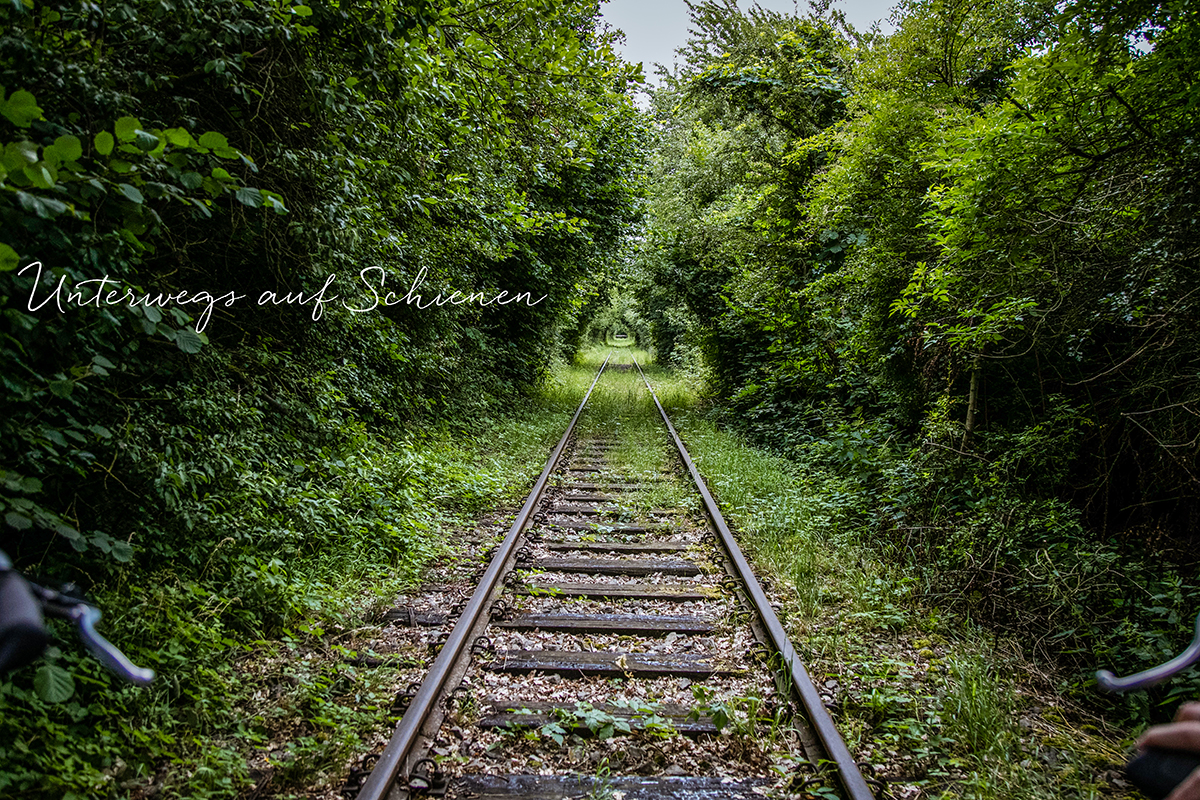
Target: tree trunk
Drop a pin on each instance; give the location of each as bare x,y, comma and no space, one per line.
972,402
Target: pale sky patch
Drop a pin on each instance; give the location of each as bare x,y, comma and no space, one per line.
654,29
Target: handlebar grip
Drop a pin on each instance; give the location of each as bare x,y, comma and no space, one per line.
85,618
23,634
1157,772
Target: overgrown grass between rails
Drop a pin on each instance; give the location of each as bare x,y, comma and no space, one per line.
643,453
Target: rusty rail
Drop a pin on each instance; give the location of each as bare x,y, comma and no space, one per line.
851,778
392,761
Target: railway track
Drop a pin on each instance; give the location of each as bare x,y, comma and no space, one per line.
607,645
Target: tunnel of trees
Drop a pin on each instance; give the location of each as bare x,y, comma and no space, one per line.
955,264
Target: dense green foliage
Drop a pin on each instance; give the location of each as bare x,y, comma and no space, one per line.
957,264
224,460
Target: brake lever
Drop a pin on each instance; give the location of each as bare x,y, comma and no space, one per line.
1154,675
1156,772
85,618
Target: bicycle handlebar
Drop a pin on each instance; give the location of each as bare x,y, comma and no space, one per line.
1156,771
23,634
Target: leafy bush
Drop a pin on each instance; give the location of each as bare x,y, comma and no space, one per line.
227,469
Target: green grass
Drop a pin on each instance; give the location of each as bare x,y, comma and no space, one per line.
921,693
262,661
621,407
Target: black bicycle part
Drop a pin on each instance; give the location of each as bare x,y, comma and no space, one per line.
1156,772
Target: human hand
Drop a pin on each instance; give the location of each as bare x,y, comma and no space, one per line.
1182,734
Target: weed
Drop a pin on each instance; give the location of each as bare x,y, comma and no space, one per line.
602,786
647,719
278,558
740,716
976,711
598,722
857,608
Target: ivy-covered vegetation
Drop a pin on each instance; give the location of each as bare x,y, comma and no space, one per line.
214,414
957,266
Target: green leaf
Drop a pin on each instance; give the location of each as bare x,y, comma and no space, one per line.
44,207
250,196
212,140
68,533
103,362
127,128
188,341
69,147
179,137
136,222
19,154
145,141
122,551
20,109
61,388
8,258
30,485
40,176
51,157
131,192
191,180
302,11
53,684
103,142
18,521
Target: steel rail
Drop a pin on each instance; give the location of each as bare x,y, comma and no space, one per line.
391,760
852,780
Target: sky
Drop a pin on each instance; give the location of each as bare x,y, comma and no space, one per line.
655,28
